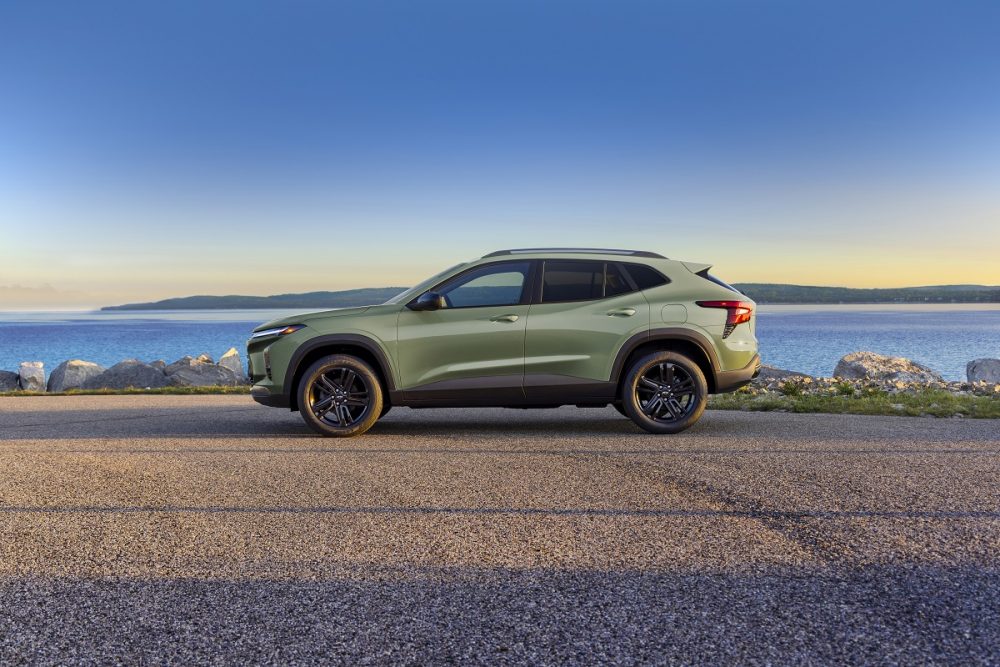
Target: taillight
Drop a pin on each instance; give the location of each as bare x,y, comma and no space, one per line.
737,312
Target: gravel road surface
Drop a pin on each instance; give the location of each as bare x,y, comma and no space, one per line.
207,529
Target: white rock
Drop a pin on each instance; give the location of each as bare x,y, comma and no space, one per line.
72,374
31,376
231,360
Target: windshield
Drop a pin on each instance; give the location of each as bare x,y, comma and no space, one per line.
406,295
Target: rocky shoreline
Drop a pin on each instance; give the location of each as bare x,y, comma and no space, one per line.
855,374
859,373
200,371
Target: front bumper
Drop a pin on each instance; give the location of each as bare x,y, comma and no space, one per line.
264,396
727,381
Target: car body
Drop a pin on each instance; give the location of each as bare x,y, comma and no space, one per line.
520,328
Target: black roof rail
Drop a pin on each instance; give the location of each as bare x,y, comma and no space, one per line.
589,251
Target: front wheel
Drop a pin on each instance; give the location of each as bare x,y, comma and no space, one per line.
340,396
664,392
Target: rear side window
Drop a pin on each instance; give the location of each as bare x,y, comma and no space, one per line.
582,280
645,277
572,281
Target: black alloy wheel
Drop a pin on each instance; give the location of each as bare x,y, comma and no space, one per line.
664,392
340,396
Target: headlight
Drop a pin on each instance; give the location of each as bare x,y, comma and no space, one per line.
277,331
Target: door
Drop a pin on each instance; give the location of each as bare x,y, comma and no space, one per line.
472,350
584,312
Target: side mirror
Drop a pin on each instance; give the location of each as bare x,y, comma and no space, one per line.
428,301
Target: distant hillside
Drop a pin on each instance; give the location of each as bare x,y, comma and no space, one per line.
773,293
759,292
343,299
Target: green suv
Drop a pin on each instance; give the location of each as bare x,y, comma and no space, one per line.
531,328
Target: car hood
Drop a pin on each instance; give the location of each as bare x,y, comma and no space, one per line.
305,318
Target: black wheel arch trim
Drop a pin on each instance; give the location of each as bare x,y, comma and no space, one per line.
665,334
331,340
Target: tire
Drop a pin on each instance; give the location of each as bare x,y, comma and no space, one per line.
386,406
340,396
664,392
621,409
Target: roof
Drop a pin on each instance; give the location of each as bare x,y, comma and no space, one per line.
576,251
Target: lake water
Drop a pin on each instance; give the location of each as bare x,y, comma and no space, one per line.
804,338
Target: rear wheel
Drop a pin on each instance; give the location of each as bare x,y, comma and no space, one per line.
340,396
664,392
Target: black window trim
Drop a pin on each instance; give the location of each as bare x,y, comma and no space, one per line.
526,291
532,294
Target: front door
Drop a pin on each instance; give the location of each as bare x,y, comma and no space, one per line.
472,350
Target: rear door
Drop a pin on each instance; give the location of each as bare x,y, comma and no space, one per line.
584,311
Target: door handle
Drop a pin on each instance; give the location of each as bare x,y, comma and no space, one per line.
504,318
621,312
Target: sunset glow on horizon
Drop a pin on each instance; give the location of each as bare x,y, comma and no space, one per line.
161,151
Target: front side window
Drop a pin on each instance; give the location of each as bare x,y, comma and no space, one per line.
491,285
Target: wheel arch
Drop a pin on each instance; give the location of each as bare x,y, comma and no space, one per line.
356,345
684,341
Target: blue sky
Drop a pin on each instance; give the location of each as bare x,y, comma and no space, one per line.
162,149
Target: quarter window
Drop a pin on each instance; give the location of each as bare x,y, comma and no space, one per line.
645,277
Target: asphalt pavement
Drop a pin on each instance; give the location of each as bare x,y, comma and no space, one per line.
208,529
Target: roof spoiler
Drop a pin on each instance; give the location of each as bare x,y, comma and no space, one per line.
695,267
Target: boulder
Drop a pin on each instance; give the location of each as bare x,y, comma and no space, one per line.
184,362
190,372
31,376
8,381
72,374
159,364
880,368
206,358
232,360
126,374
983,370
208,375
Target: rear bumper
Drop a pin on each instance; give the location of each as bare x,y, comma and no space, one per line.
264,396
726,381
